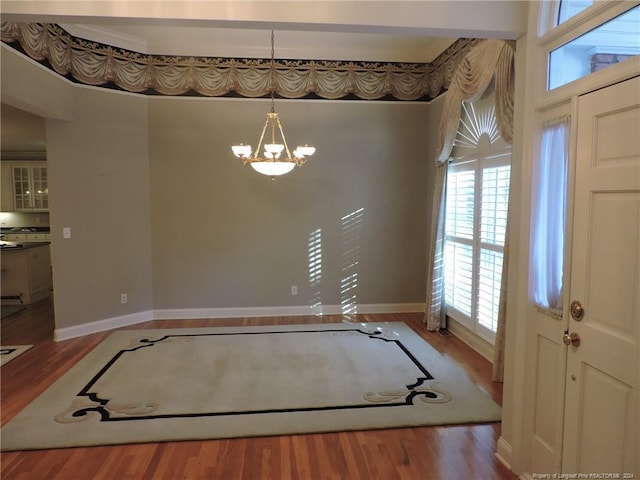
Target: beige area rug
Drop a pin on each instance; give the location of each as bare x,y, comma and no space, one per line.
180,384
10,352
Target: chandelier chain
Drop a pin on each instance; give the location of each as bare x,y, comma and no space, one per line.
273,73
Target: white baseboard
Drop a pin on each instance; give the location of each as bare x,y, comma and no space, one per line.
479,344
240,312
503,452
67,333
391,308
189,313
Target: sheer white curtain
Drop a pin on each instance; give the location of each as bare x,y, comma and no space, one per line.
549,212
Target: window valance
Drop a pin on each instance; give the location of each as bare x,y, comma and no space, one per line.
491,60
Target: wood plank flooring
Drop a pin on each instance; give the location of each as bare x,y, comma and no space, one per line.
441,453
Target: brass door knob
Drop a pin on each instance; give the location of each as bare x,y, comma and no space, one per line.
572,339
577,311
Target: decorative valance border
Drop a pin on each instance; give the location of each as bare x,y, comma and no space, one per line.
491,60
94,63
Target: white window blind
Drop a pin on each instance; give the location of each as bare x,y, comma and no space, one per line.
477,202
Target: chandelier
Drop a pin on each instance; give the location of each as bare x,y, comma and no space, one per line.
272,162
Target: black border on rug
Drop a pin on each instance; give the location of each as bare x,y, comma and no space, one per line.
105,416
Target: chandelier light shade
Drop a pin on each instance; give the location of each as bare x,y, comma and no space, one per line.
272,156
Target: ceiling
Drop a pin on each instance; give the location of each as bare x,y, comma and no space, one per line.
256,43
373,31
21,132
384,31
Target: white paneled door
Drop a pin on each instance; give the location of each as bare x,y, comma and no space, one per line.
601,419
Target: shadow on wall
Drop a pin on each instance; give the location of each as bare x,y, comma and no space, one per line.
350,235
351,224
315,270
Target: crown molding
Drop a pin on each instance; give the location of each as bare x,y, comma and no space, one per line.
105,36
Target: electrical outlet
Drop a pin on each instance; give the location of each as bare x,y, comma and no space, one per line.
294,289
123,298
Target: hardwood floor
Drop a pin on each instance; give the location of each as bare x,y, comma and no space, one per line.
444,452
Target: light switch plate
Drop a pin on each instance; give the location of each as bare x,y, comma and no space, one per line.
66,232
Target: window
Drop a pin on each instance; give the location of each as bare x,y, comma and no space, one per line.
477,202
570,8
606,45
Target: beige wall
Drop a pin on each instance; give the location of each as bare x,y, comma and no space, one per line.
161,210
225,236
99,184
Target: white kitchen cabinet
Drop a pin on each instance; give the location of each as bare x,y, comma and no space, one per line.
26,273
30,186
38,237
15,237
27,237
6,195
25,186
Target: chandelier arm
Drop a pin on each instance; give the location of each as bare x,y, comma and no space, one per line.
284,140
273,130
264,129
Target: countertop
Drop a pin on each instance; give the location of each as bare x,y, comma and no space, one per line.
19,246
25,229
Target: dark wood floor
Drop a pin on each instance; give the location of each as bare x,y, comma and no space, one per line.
444,452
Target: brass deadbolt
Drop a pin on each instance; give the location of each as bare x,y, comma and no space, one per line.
577,311
572,339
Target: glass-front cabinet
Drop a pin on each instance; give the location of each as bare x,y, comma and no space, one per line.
40,185
30,185
21,188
